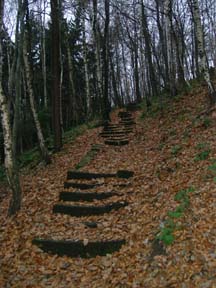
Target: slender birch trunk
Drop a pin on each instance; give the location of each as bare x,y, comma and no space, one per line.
159,11
126,81
11,171
87,84
73,109
43,149
170,54
194,5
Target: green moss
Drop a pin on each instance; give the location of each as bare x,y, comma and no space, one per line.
166,233
202,145
88,157
207,122
29,158
176,149
203,155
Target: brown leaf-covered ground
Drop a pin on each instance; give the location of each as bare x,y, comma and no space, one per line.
161,152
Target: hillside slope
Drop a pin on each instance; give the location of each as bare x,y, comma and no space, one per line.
168,153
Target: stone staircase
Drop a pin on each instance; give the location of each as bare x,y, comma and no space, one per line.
117,133
77,180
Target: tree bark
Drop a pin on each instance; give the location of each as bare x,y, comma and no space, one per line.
194,5
73,109
97,42
56,95
11,171
43,149
43,52
147,39
106,104
170,55
85,58
15,78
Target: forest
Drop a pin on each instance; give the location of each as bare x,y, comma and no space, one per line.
88,84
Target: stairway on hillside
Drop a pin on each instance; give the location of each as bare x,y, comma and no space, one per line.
76,204
117,133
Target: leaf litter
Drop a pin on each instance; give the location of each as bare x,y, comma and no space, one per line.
162,156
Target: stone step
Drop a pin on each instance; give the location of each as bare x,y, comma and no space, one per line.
74,174
124,114
85,196
113,132
127,123
116,138
107,132
79,210
116,142
125,130
81,249
111,135
113,139
127,119
116,125
81,186
116,129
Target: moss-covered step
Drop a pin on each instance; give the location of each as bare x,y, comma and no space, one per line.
116,142
85,196
74,174
78,248
81,210
81,186
89,156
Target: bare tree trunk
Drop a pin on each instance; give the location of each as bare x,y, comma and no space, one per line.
97,42
147,39
41,141
126,84
15,78
162,41
56,93
116,99
87,84
43,51
106,104
73,105
11,172
194,5
170,55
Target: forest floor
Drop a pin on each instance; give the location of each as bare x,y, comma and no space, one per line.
168,153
